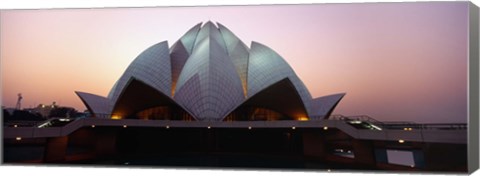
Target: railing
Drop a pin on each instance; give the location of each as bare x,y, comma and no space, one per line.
56,122
401,125
445,133
98,115
52,122
22,123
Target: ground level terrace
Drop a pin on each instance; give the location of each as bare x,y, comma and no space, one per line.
314,144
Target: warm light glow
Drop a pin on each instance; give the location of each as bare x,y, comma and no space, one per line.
116,117
174,83
167,127
325,128
249,127
401,141
208,127
303,119
15,126
293,128
407,129
93,126
244,88
18,138
43,106
124,126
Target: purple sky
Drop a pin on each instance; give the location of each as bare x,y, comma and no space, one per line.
395,61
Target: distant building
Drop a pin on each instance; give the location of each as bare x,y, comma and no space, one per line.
9,110
45,109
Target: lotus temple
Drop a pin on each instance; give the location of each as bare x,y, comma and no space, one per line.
209,74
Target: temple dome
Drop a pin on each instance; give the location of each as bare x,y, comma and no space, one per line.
209,74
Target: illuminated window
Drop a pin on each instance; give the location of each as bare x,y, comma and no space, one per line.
401,157
155,113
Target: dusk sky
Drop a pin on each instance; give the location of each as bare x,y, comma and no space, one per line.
395,61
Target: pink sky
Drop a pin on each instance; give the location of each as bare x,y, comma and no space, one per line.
395,61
